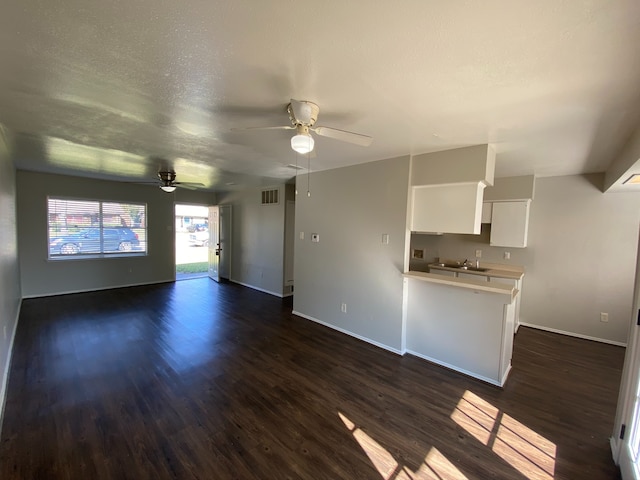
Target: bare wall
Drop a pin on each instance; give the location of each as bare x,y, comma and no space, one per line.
41,276
257,248
351,209
580,258
10,294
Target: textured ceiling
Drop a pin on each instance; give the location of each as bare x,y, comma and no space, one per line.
121,89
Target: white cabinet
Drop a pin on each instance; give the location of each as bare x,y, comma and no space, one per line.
451,208
510,224
472,276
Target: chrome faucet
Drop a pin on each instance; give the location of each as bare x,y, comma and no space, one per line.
465,263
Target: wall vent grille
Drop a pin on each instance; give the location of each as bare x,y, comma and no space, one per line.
270,197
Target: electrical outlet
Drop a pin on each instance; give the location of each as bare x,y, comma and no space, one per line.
478,253
604,317
507,255
301,235
343,308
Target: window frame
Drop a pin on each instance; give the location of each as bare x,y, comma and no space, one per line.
140,249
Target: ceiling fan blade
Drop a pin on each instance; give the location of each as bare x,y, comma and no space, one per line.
189,184
302,111
343,135
282,127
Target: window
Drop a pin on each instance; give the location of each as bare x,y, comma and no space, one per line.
97,229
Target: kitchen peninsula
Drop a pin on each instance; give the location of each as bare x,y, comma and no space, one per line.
466,324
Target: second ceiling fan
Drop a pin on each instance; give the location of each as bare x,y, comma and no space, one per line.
303,115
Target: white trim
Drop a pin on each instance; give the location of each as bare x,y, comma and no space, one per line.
275,294
461,370
5,374
113,287
351,334
572,334
506,375
614,443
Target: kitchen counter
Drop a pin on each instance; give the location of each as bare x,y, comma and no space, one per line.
497,270
465,324
478,285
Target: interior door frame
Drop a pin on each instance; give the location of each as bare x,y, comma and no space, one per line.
628,400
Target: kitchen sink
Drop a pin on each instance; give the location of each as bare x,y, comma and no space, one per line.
462,267
472,269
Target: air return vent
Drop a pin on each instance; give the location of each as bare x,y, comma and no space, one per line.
270,197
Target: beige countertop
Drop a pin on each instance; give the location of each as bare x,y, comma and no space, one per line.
479,285
496,270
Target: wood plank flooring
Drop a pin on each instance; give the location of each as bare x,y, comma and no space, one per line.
195,380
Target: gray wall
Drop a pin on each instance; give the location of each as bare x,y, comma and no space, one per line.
43,277
10,294
257,240
351,208
580,258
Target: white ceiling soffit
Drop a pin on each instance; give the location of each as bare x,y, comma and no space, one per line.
120,89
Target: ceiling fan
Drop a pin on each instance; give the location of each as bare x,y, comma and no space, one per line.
303,115
167,182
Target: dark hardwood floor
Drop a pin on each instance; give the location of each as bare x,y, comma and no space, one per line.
200,380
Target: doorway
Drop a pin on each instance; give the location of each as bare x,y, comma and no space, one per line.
191,240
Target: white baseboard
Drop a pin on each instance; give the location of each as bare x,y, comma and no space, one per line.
576,335
7,368
461,370
275,294
351,334
87,290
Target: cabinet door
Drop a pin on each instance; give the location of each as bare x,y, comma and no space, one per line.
452,208
510,224
472,276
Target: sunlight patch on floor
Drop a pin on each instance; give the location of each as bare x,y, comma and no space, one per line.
525,450
436,466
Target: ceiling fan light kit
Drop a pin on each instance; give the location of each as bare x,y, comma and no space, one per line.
167,188
302,143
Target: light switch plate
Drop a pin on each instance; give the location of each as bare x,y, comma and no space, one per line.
385,238
301,235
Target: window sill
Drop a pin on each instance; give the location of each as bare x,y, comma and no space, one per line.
80,256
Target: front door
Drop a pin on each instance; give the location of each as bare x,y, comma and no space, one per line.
629,401
214,243
224,241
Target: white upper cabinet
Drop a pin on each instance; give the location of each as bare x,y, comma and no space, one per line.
453,208
447,189
510,224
